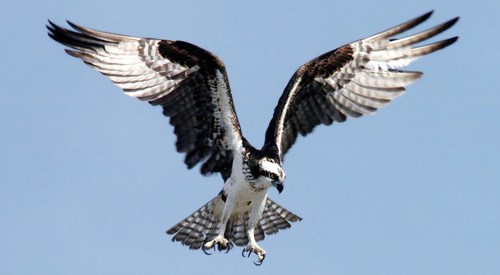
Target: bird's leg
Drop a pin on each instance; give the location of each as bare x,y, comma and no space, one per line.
253,219
219,239
254,247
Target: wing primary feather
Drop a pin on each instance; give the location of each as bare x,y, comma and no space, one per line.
424,35
430,48
190,83
105,36
350,81
401,27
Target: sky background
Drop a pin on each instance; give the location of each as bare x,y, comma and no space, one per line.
90,180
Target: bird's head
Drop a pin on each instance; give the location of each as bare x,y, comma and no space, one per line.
271,172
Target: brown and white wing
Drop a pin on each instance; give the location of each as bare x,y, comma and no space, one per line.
189,82
353,80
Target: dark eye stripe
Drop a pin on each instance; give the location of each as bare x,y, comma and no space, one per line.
269,174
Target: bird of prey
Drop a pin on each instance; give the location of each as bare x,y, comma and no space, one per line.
192,87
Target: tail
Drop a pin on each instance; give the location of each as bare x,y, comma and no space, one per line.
203,225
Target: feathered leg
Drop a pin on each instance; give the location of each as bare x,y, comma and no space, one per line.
219,239
253,220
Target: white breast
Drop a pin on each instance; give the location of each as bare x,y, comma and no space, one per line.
239,192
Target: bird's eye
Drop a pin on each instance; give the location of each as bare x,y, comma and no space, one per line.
273,176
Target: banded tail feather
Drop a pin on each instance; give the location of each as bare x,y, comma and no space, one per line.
201,226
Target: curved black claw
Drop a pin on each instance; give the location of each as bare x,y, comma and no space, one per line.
259,262
243,253
222,247
227,249
205,251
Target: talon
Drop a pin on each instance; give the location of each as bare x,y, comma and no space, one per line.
245,250
221,243
221,247
227,250
259,262
206,251
258,251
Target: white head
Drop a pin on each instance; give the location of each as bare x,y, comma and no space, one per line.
272,173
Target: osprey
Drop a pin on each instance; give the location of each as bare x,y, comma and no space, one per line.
192,87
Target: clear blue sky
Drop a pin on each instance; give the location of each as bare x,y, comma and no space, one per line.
90,180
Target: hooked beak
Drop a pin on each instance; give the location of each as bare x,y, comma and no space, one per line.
279,185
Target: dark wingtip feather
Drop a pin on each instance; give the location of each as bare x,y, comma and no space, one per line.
50,34
54,27
417,21
73,25
402,27
74,38
449,41
50,24
420,19
427,15
453,21
443,43
55,31
448,24
51,27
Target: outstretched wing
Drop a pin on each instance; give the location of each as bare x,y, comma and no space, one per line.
190,84
353,80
